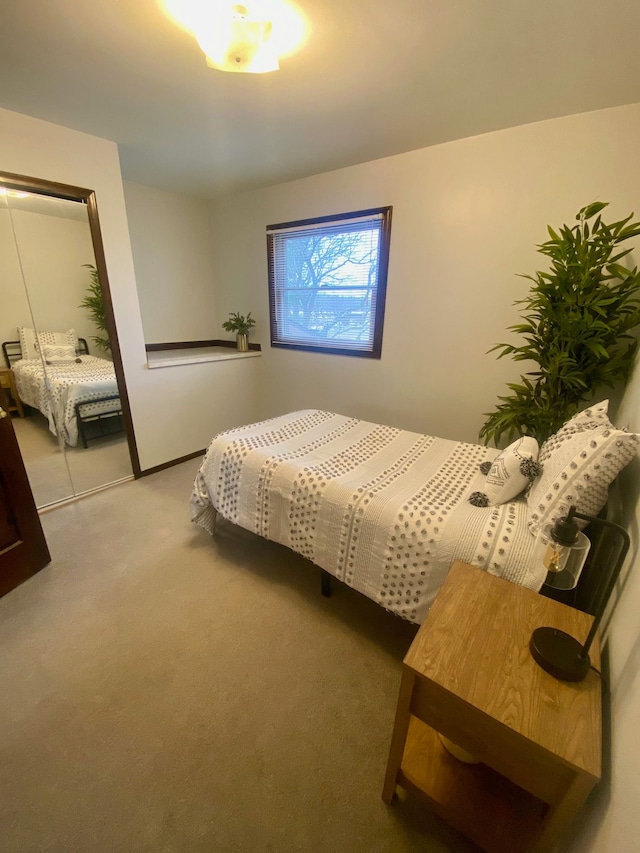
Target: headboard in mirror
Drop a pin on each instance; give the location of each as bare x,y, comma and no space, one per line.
13,351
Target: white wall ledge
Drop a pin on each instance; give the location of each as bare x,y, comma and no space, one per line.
195,355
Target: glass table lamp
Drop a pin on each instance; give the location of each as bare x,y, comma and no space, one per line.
562,549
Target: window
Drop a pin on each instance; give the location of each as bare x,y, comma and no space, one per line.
328,281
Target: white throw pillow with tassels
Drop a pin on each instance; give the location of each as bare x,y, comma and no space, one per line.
512,471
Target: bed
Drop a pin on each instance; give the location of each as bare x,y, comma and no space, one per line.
75,392
387,511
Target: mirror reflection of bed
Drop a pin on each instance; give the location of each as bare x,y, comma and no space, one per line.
72,436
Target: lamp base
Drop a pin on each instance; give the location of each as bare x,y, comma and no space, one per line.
559,654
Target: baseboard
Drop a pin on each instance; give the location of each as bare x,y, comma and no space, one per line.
172,462
85,494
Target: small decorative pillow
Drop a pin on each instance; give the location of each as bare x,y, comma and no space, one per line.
27,342
53,354
510,473
579,464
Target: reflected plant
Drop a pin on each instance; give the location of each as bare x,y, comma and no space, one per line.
94,304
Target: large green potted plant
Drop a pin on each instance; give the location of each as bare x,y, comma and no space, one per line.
93,302
576,325
241,325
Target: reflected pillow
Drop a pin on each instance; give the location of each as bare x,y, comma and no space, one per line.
27,342
53,354
580,462
31,341
68,338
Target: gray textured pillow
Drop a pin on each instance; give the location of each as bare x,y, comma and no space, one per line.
579,462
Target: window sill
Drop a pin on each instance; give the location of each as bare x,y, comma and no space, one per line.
195,355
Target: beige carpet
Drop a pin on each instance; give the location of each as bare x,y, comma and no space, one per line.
54,475
166,691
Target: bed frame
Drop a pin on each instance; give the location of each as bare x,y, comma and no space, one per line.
103,424
90,425
606,555
13,351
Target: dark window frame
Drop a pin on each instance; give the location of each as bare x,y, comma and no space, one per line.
381,284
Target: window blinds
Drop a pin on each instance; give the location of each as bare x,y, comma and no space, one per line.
324,278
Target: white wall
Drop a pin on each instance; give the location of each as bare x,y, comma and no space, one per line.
171,242
52,253
467,216
15,305
612,822
177,410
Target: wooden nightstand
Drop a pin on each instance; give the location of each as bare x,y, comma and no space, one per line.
469,675
8,382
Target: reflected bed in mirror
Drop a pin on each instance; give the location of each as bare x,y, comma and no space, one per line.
87,408
75,391
61,347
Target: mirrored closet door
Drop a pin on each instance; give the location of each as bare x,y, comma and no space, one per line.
56,360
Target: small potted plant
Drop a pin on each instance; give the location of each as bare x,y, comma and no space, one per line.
241,325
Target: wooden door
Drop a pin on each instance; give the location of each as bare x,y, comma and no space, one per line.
23,548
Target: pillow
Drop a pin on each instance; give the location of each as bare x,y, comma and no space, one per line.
510,473
590,418
579,462
31,341
27,342
58,354
68,338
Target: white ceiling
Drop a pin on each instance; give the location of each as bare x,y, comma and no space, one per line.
375,78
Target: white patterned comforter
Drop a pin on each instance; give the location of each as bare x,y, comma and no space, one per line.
56,389
382,509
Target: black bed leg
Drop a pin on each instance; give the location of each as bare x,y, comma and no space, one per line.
325,579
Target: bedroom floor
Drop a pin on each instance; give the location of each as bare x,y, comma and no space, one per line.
54,477
167,691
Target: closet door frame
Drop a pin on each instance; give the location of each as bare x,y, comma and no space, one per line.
72,193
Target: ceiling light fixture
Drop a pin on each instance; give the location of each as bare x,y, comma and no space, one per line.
239,42
247,37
